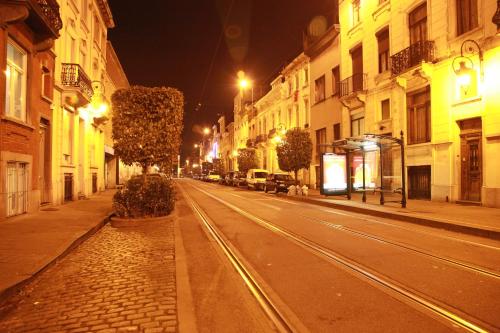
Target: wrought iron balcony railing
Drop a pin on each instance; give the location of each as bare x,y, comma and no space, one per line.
412,56
72,75
50,10
353,84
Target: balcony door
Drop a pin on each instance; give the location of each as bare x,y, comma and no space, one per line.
357,68
418,33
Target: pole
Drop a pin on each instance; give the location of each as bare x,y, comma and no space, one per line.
403,172
178,166
382,201
348,167
364,188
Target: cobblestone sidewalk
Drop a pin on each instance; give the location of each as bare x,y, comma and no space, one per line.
120,280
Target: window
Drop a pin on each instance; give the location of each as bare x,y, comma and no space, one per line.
306,111
67,142
355,12
385,107
418,24
419,116
47,90
466,16
306,77
383,50
335,81
297,116
357,69
336,131
97,32
319,89
84,11
15,85
297,81
290,118
17,188
320,143
357,125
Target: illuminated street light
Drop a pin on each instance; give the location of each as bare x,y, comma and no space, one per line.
244,84
196,145
206,131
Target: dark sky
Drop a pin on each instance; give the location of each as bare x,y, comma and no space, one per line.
182,43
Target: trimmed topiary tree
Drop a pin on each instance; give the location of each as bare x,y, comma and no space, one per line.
147,125
247,159
295,151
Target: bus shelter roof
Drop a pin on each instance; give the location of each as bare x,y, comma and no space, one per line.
365,142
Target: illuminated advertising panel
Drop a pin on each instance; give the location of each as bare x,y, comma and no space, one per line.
371,170
333,170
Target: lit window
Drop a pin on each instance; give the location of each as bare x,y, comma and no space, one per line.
15,99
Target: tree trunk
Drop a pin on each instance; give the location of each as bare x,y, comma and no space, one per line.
296,172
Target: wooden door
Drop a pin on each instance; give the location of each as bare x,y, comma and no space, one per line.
471,158
419,182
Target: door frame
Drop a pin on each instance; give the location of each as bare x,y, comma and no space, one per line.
470,129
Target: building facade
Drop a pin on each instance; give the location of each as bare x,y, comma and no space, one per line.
79,106
427,69
27,59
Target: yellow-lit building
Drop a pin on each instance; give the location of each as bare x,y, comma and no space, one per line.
79,104
429,69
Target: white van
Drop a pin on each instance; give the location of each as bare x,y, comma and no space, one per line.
256,179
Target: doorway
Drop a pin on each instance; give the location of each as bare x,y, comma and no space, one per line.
419,182
471,159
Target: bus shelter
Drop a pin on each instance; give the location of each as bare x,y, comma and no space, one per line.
351,167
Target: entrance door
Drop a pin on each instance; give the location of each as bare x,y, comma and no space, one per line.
471,159
419,182
471,167
17,188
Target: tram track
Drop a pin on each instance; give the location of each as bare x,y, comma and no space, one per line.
450,314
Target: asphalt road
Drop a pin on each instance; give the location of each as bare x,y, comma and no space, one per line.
333,271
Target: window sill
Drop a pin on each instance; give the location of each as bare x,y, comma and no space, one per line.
67,166
468,100
420,144
319,102
383,7
18,122
382,76
47,99
355,29
466,35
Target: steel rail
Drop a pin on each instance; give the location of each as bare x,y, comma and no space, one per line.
458,263
257,292
355,267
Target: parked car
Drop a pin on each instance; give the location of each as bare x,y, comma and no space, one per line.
228,178
256,179
239,179
213,177
278,182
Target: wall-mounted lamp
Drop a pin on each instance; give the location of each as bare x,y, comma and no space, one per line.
463,66
496,18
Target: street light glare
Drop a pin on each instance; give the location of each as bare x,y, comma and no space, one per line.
206,130
244,84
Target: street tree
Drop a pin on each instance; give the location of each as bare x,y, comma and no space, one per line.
247,159
147,125
295,151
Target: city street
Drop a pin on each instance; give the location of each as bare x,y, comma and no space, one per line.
325,270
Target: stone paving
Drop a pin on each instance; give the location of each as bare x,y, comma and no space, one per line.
120,280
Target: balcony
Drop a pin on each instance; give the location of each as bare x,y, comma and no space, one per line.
41,16
77,85
412,56
250,143
353,85
272,133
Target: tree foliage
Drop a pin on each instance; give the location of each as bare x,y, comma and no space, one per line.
247,159
147,125
295,151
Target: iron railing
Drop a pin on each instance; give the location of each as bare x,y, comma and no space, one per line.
412,56
50,9
353,84
72,75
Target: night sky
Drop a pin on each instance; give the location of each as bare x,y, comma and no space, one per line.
182,44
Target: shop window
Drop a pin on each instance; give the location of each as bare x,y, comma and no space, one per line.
419,116
15,85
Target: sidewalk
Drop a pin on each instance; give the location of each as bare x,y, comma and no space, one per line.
473,220
31,242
